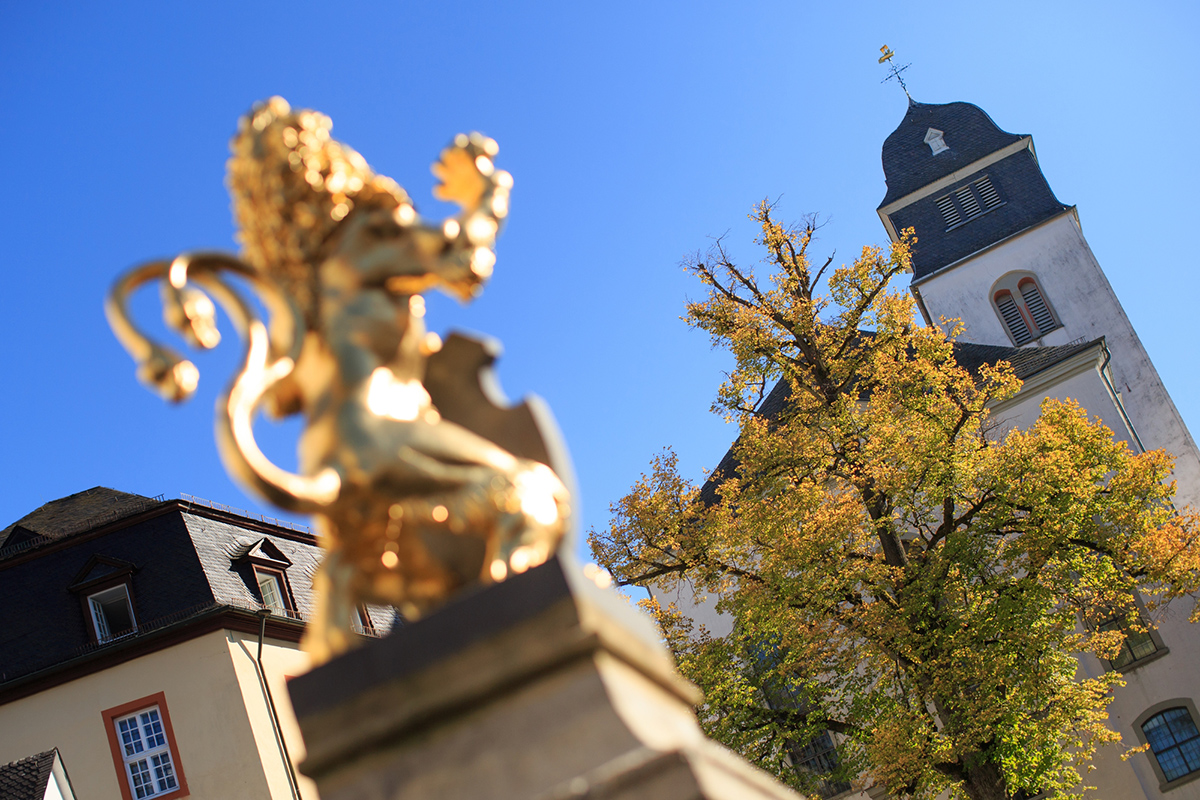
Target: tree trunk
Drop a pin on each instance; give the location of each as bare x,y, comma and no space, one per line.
984,782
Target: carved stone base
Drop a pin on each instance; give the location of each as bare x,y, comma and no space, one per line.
542,687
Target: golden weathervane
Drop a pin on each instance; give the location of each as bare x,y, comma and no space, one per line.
419,484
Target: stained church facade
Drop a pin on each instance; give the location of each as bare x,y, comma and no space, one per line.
997,250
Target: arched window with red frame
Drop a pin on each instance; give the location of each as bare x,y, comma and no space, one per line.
1022,308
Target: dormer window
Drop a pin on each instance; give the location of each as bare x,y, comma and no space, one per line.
105,590
267,565
112,613
271,590
360,621
1022,308
933,138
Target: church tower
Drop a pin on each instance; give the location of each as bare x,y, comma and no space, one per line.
997,250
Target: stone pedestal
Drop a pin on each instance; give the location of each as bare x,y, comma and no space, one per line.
542,687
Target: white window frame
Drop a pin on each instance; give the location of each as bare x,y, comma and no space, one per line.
277,579
150,766
100,622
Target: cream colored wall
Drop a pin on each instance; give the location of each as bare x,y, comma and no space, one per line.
218,730
280,661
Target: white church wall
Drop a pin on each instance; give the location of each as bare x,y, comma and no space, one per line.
1168,678
1078,379
1168,674
697,606
1083,301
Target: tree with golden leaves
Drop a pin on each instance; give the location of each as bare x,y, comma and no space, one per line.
900,572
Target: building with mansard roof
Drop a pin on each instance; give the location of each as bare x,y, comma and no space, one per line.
148,643
999,251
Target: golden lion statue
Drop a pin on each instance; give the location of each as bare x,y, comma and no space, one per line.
410,504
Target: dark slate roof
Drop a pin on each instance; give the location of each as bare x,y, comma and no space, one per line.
78,512
1026,362
908,162
42,622
26,779
185,562
219,546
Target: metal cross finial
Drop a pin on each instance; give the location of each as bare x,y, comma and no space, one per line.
894,71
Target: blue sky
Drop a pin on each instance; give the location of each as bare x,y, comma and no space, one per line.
634,131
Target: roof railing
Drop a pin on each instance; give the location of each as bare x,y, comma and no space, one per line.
191,500
93,522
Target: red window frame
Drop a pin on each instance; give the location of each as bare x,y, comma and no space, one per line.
111,715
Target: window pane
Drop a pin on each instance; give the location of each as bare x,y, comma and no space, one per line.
1172,764
819,758
112,613
164,773
1140,644
1179,721
139,774
1157,734
1191,754
1137,644
272,592
102,632
130,736
152,728
1175,741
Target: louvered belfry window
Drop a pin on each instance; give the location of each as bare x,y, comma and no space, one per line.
965,204
1032,296
1010,312
1023,308
949,211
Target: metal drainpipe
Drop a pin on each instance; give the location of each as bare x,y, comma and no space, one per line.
1117,397
262,615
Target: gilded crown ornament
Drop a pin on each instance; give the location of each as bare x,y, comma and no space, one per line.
420,482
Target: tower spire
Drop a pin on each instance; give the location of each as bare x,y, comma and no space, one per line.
894,71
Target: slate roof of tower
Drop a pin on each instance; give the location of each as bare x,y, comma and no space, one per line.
26,779
909,163
1026,362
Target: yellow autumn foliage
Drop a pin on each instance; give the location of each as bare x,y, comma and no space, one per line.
900,571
